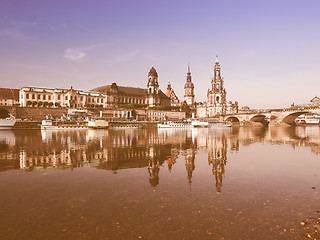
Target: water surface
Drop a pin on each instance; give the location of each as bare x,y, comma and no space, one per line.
234,183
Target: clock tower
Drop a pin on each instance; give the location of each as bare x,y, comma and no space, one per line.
217,102
189,89
153,88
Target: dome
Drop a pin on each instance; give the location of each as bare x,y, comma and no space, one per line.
153,72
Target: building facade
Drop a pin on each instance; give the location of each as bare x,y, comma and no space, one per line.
119,96
174,100
60,97
217,103
9,97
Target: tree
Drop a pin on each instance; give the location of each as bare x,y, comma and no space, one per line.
40,104
50,104
45,104
34,103
29,103
57,104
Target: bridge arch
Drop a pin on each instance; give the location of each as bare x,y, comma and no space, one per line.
261,119
232,119
289,119
4,113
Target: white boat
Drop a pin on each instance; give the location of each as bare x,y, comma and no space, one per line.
7,123
199,123
98,123
101,123
219,124
50,125
174,124
308,120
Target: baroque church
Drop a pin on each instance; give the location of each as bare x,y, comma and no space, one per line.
217,103
151,96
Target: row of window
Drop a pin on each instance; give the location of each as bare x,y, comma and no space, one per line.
48,97
131,100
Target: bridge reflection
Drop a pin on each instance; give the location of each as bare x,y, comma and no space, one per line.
150,149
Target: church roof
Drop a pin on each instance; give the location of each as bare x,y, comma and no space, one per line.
126,90
315,99
8,93
168,93
121,89
153,72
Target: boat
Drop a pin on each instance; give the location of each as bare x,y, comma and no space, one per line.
174,124
199,124
308,120
7,123
102,124
210,124
98,123
219,124
53,125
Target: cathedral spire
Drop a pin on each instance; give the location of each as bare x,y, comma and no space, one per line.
189,73
189,89
217,60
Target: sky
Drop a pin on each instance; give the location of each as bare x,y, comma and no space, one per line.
268,50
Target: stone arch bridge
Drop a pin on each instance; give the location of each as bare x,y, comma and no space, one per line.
6,110
273,116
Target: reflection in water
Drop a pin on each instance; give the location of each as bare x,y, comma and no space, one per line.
149,148
207,183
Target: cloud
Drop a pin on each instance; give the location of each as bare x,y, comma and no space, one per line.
13,34
75,54
128,57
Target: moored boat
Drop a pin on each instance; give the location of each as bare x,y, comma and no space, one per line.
174,124
51,125
199,123
218,124
306,120
7,123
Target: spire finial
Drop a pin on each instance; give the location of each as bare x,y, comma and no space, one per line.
217,60
188,67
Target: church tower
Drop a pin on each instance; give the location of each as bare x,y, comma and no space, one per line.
189,89
153,88
217,102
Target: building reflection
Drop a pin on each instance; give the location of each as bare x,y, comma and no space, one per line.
113,150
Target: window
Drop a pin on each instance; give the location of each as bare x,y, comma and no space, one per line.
49,97
44,97
58,97
33,96
81,98
101,100
27,95
39,97
75,98
66,98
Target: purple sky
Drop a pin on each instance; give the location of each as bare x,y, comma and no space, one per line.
269,50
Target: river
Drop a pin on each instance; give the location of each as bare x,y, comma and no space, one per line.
231,183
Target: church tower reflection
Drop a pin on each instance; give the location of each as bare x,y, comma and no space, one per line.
153,168
217,156
190,166
171,159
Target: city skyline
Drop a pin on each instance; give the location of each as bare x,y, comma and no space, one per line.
267,50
